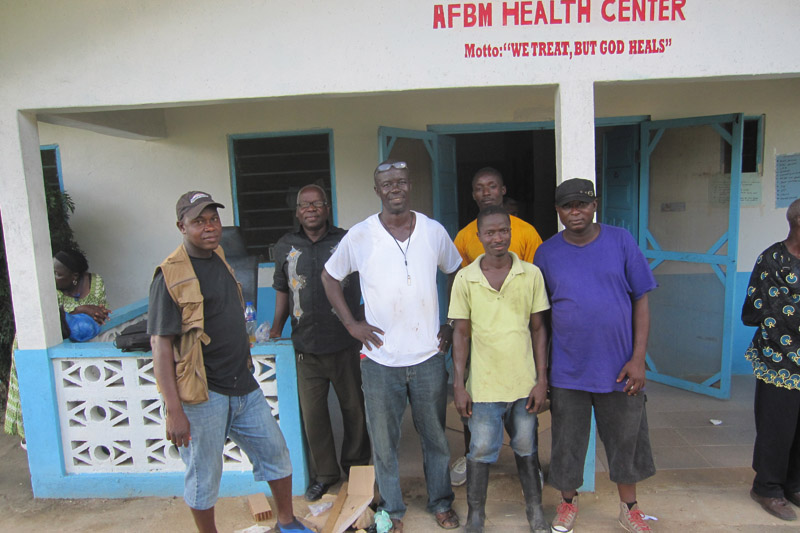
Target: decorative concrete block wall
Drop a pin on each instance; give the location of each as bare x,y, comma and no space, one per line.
95,427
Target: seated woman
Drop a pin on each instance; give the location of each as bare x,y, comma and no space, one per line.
79,291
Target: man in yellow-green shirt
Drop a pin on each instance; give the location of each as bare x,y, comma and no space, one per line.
497,304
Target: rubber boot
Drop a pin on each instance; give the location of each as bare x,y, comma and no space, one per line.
528,468
477,484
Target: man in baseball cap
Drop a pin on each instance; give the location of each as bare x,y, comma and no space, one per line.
575,189
210,393
598,282
192,203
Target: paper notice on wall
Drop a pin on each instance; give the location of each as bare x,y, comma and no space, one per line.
787,179
719,189
751,189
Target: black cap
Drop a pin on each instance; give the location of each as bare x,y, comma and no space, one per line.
575,189
192,204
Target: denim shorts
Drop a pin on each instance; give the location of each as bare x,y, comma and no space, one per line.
486,426
621,426
249,423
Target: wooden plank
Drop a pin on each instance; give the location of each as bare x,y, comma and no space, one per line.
336,509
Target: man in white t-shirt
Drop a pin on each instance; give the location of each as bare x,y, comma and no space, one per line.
397,253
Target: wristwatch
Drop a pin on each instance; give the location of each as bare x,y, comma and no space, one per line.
451,322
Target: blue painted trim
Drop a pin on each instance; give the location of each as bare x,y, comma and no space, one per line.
650,363
232,161
719,244
731,308
497,127
332,165
57,150
123,314
720,274
40,412
726,136
694,257
651,240
713,379
234,189
491,127
620,121
759,143
687,385
289,404
589,463
694,121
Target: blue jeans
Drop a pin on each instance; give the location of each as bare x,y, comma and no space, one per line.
249,422
386,391
486,425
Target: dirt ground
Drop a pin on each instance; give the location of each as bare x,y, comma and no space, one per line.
709,500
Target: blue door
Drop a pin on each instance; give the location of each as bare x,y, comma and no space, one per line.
688,230
619,195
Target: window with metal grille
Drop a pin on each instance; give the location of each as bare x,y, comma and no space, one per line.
50,167
268,171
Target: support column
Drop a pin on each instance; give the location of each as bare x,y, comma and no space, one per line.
26,233
575,157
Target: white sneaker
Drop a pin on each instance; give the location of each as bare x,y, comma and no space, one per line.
458,472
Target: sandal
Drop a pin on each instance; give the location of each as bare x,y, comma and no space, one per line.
397,525
447,519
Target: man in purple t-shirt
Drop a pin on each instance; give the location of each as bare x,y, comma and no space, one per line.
597,280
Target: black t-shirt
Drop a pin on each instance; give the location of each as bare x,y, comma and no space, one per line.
226,357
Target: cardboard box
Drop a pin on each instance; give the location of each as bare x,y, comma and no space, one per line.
354,498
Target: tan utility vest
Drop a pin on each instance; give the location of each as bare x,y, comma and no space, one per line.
184,288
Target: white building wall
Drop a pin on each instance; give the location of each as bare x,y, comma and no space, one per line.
125,190
126,230
149,52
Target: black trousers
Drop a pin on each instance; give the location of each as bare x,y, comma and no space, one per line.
315,374
776,454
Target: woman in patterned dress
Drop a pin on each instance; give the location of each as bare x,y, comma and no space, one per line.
79,291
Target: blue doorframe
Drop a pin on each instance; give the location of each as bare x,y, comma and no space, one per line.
724,266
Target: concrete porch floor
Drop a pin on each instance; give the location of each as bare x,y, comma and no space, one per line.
702,482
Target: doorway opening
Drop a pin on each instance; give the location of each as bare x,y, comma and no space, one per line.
526,159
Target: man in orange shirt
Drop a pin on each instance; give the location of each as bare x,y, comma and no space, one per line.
488,190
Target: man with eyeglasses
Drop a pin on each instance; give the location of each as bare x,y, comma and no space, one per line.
326,353
397,253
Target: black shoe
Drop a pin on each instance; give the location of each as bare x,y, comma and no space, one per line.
777,507
793,497
317,489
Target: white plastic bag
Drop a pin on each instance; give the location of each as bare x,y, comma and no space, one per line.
262,332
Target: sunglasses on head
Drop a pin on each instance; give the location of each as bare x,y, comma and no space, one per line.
383,167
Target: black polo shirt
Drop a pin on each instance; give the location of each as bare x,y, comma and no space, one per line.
298,270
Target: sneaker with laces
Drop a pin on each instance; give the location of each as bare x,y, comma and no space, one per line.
458,472
632,520
566,513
